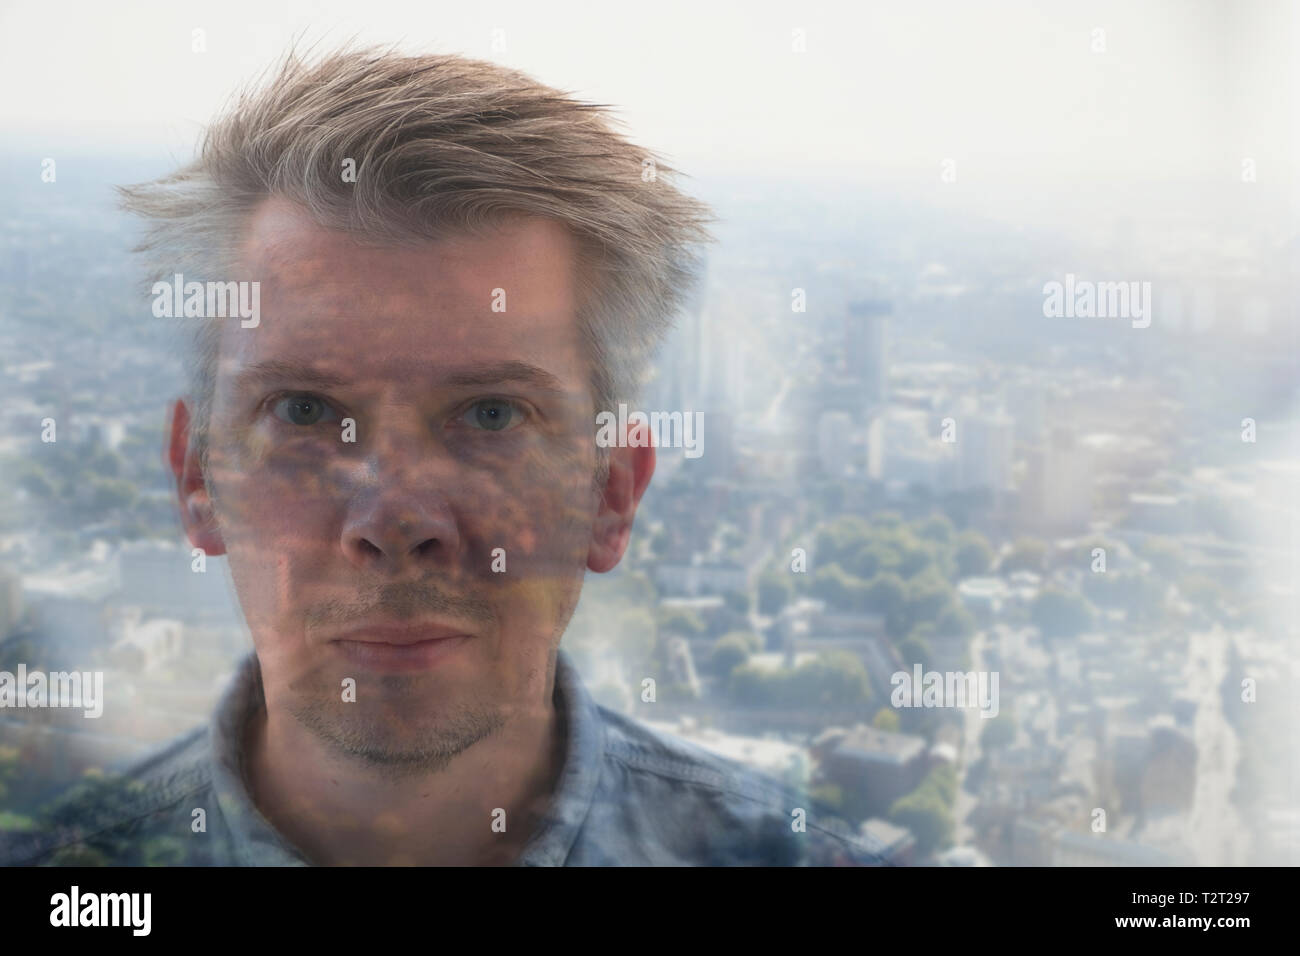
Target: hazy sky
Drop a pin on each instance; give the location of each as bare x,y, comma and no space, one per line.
1013,92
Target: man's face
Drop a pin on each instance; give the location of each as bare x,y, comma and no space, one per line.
393,461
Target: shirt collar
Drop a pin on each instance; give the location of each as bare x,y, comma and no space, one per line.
257,843
584,750
254,841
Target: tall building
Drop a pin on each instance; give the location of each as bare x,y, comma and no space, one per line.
11,600
717,442
985,444
866,347
827,423
1060,483
834,443
1027,401
682,361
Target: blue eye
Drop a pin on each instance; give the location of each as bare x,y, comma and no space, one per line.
494,415
304,410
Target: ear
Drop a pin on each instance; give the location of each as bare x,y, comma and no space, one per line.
197,515
631,466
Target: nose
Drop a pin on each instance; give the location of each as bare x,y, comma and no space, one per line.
401,516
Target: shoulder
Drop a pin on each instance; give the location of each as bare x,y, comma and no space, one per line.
128,819
689,806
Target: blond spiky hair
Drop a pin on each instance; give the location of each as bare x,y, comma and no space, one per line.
441,144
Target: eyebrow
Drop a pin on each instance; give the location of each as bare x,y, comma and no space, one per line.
263,373
503,372
470,376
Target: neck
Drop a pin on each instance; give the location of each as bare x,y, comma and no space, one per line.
339,811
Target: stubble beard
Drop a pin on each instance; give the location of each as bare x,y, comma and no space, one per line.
389,739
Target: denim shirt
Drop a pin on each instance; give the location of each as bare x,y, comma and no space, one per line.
627,796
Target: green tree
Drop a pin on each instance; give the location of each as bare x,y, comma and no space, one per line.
928,596
8,771
164,851
839,589
935,528
105,462
731,538
775,591
110,494
15,822
737,602
1060,613
38,484
972,554
839,539
835,681
915,650
78,854
999,732
753,642
942,780
886,720
631,587
886,594
887,519
830,795
930,821
750,686
1140,596
1027,554
729,652
956,621
682,621
869,560
113,797
915,559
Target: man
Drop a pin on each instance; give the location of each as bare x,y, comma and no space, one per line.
455,270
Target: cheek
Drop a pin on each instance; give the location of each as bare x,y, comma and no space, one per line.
264,512
534,521
276,530
263,581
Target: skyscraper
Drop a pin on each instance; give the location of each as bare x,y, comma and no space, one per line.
866,347
984,444
682,360
1060,483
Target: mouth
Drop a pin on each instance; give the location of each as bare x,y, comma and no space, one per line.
386,646
398,635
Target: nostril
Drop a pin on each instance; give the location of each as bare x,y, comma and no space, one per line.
393,532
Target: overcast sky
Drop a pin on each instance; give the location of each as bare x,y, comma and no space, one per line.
1013,92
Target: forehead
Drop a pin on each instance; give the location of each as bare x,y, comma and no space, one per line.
334,301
